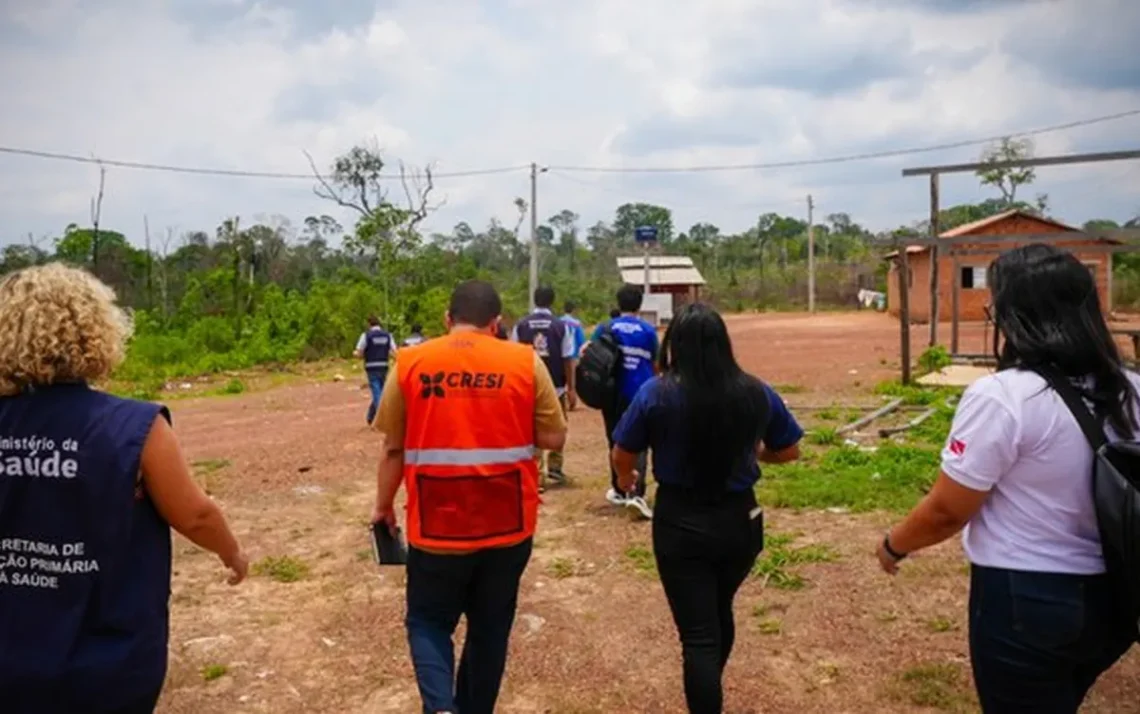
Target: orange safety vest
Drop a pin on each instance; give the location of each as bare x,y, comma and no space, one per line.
469,466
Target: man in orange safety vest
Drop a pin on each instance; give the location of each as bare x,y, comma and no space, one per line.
462,417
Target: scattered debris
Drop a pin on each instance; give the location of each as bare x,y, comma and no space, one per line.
890,430
868,418
338,378
308,490
304,469
533,624
208,644
328,642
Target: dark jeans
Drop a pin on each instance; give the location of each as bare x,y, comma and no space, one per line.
704,552
1038,641
611,417
484,586
376,386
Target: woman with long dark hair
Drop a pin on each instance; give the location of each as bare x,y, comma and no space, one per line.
1045,621
706,422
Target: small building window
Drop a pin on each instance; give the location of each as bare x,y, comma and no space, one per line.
973,277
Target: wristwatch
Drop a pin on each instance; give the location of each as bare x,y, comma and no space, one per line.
891,551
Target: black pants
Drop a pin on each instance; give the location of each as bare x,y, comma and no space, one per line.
611,417
1038,641
704,552
484,586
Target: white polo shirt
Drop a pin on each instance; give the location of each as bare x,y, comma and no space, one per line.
1014,437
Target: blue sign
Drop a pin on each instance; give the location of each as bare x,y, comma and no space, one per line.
645,234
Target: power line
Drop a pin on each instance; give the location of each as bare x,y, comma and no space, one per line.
237,173
850,157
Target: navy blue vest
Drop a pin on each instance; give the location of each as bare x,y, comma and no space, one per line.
545,332
377,345
84,555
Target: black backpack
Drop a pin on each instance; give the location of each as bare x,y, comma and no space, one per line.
1116,495
596,375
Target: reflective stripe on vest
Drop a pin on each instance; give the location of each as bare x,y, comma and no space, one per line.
467,457
375,365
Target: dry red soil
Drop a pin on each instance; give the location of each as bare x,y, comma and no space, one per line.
293,468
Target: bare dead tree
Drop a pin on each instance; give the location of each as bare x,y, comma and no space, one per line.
149,264
96,212
418,186
163,270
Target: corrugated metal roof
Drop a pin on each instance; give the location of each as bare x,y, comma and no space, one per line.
662,276
655,261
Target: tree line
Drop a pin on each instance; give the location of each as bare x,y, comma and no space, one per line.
274,291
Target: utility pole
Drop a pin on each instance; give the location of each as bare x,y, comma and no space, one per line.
811,257
934,232
533,282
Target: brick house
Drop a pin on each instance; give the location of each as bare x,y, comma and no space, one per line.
973,293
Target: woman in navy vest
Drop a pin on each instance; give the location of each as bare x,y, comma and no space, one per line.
90,486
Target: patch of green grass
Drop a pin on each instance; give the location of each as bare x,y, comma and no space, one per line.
776,562
825,436
789,388
283,569
934,430
916,395
941,624
770,626
829,414
942,686
209,466
642,559
214,671
207,471
934,359
364,554
234,386
561,568
894,478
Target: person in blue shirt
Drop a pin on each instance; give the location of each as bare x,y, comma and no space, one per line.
90,487
614,313
574,325
637,340
708,423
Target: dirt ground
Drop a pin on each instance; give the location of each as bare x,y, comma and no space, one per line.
293,468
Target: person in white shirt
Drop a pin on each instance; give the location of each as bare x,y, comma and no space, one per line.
1045,619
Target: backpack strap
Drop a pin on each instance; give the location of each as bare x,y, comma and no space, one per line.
1094,432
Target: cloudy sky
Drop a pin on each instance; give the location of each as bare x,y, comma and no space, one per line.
470,84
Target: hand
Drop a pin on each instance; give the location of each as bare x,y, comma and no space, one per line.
239,567
627,483
887,561
385,515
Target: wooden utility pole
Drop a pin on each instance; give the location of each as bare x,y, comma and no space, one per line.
904,311
811,257
533,282
934,231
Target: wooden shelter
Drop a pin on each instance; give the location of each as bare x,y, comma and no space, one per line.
675,275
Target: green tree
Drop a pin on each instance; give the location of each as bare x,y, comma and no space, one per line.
631,215
1008,179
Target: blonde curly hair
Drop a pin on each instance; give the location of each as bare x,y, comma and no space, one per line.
58,324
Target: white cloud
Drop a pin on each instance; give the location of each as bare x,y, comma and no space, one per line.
467,84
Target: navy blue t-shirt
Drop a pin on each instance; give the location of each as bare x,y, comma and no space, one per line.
656,420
